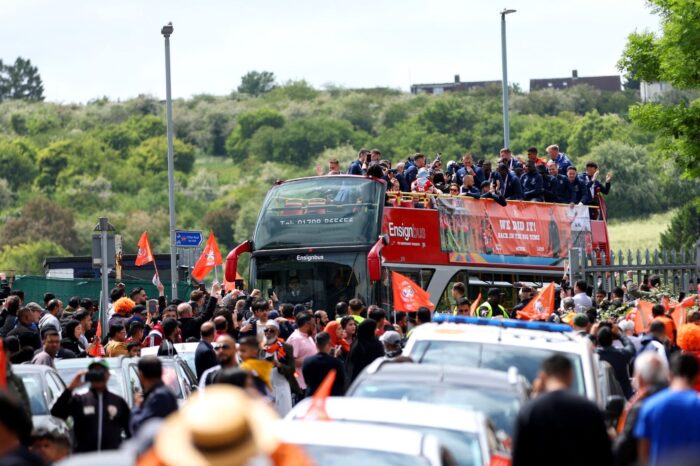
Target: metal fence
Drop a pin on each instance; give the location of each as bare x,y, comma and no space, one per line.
679,270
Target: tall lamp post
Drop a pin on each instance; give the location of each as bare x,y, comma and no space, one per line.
504,59
167,30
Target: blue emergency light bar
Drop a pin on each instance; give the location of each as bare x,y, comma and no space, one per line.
503,323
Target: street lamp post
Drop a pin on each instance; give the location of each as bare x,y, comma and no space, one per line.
167,30
504,59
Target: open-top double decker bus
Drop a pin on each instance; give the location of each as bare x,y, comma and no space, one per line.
325,239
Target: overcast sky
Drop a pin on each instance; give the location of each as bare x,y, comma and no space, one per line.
88,49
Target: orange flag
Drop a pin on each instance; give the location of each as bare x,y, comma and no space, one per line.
317,410
680,311
97,350
210,258
408,296
475,305
643,316
541,306
145,254
3,366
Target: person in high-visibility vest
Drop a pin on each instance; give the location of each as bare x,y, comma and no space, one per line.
493,303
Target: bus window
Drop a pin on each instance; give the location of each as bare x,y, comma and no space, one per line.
420,276
446,302
318,281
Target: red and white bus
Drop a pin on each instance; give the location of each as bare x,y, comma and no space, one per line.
320,240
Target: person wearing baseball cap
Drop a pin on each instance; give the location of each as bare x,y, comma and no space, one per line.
492,308
392,344
100,417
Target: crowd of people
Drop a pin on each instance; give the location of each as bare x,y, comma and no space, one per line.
529,177
281,353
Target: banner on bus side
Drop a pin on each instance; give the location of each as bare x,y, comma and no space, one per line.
470,227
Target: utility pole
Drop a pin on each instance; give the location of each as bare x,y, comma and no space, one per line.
504,60
167,30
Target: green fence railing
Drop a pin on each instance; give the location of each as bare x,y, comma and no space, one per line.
35,287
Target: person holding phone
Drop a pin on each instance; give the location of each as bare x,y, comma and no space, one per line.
99,416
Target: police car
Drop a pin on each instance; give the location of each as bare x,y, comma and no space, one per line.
501,344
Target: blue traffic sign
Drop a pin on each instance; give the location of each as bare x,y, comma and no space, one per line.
188,239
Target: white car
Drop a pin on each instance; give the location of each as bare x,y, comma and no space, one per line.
184,350
468,435
501,344
352,444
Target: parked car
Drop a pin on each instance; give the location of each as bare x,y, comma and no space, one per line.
499,395
352,444
468,435
179,377
123,375
184,350
43,386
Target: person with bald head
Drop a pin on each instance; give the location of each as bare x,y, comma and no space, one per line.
204,355
226,355
191,321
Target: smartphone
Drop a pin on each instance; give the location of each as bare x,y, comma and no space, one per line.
95,376
270,291
239,284
152,306
202,287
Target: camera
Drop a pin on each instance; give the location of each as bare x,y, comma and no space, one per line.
95,376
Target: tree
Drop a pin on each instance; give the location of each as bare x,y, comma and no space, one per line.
17,165
684,229
672,57
42,219
28,258
257,82
20,81
238,142
151,156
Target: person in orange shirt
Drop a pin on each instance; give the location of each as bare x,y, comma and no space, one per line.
659,313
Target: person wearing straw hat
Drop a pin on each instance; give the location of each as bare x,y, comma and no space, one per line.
219,427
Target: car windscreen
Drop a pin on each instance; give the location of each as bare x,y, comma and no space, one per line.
501,406
528,361
334,455
35,392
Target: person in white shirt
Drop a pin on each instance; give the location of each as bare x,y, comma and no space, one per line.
582,301
50,319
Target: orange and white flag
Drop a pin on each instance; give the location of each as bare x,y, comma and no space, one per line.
145,254
210,258
541,306
408,296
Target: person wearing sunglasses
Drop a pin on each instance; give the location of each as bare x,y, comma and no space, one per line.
226,353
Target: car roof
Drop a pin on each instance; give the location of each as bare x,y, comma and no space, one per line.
113,363
30,368
190,347
345,434
558,341
439,373
384,411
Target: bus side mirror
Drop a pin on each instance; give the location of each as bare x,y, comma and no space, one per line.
232,259
374,259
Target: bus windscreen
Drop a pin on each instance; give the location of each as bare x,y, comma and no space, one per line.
320,211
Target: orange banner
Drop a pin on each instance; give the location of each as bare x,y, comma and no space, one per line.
408,296
541,306
519,229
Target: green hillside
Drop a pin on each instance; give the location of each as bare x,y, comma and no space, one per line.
65,165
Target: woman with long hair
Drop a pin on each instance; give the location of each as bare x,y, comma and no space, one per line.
349,324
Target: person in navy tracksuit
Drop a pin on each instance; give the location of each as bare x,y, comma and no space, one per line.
532,184
577,188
